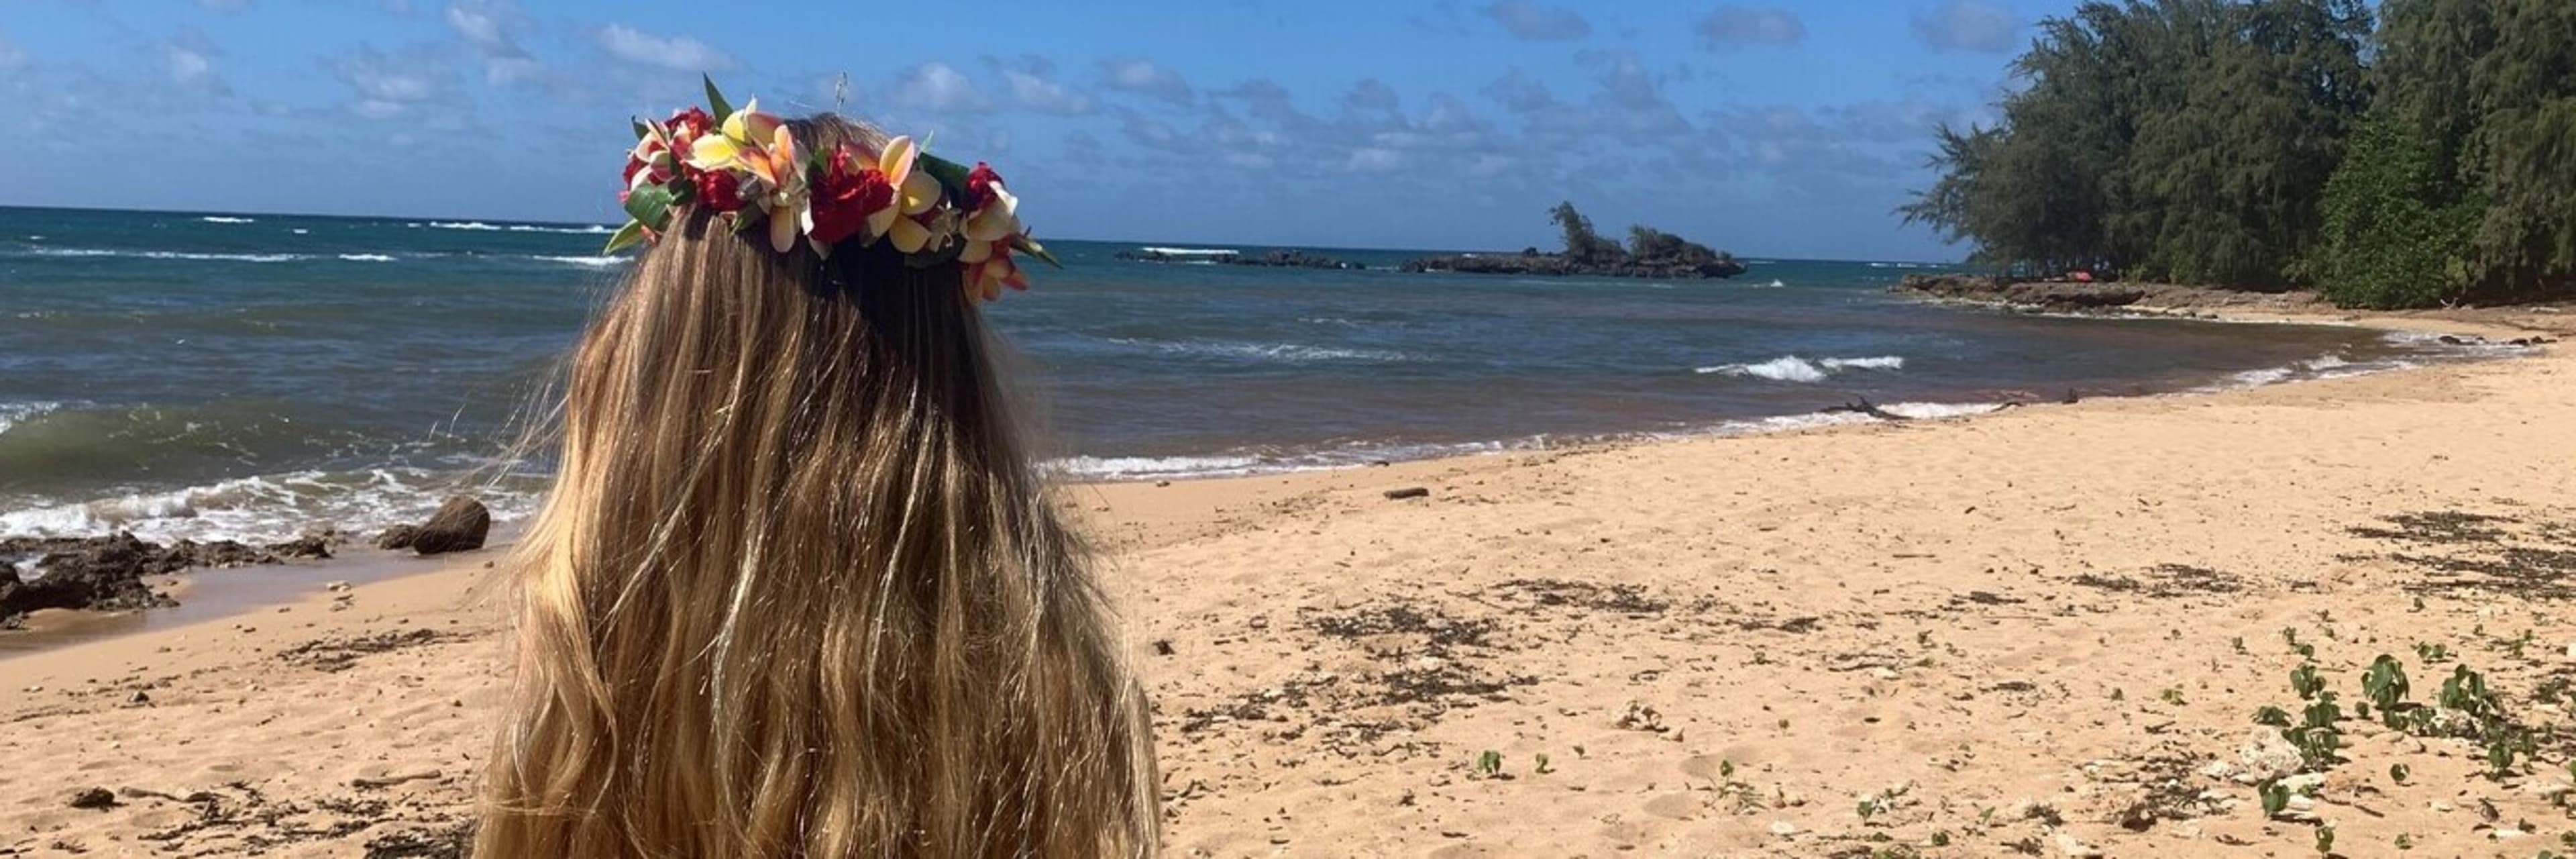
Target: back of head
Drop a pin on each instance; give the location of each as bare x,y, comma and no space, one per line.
798,591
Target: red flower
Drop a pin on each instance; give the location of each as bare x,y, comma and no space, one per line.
979,183
648,154
719,190
687,124
849,194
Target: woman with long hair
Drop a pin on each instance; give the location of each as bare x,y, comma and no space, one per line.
799,591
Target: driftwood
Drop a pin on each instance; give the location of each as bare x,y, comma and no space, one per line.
1866,407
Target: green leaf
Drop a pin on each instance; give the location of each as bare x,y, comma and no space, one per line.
951,175
716,103
650,205
625,237
1026,245
748,217
641,130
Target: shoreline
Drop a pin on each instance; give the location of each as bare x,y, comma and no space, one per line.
2042,629
248,590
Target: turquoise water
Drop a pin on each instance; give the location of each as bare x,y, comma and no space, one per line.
184,374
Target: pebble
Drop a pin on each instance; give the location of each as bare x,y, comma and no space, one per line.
2075,848
1783,828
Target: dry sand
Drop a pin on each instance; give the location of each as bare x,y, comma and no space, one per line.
2045,630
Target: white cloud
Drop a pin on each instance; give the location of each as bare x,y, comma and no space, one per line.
11,56
677,53
938,88
1751,24
1975,26
191,57
1371,159
1033,87
1529,20
1144,78
485,25
388,86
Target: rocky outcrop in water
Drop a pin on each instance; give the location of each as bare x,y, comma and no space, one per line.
1531,262
1272,259
106,573
460,525
2044,294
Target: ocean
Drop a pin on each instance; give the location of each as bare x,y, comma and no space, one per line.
189,375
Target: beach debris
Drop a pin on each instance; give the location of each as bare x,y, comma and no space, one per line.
379,782
329,655
1407,492
1865,407
1641,717
460,525
94,799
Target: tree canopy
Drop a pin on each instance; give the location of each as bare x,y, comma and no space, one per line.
2267,144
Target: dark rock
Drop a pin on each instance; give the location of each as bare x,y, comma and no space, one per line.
309,546
1407,492
94,799
460,525
1162,647
398,537
1529,262
1272,259
2045,295
105,573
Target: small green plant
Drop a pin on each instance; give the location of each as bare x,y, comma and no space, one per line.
2273,716
1784,724
1489,764
2405,841
2237,642
2325,840
2172,695
2398,772
1761,658
1725,769
2305,651
2290,635
2419,604
1541,769
2276,798
2385,685
2305,681
2119,694
1941,838
2432,653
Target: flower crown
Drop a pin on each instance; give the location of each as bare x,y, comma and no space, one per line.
934,211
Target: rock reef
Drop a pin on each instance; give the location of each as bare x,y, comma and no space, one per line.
1271,259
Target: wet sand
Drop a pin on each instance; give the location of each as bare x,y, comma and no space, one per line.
2047,629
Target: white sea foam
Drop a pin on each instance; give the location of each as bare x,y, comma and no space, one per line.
12,414
1150,467
1191,252
221,219
586,262
461,225
366,258
177,255
1791,368
302,231
588,230
264,509
1290,353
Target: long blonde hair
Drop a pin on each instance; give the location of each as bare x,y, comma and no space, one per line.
799,592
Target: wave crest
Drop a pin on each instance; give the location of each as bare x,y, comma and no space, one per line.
1791,368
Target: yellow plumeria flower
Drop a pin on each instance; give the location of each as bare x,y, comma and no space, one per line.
915,193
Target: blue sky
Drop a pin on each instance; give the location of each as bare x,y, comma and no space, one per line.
1771,129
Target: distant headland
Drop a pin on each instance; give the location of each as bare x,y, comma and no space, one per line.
1650,253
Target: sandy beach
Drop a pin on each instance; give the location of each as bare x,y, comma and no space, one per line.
2046,630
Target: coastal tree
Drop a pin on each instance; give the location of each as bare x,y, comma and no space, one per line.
1582,245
